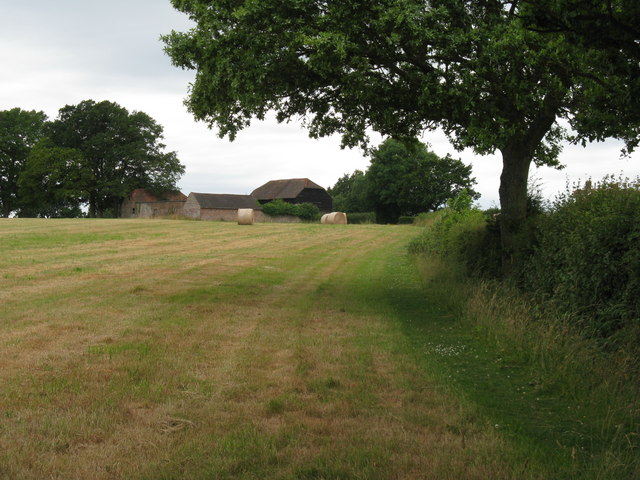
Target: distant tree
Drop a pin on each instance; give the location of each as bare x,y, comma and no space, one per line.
54,183
116,151
405,178
350,193
19,131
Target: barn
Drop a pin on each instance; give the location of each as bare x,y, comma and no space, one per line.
143,204
219,206
295,190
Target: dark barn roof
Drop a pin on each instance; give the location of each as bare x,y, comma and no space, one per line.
143,196
225,201
290,188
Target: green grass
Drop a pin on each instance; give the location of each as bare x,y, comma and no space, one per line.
553,393
198,350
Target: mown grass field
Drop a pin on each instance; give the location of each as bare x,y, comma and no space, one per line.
173,349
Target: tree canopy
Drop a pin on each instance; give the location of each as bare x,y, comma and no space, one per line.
97,153
399,67
405,178
610,30
54,183
19,131
350,193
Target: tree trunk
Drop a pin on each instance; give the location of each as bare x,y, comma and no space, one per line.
513,200
92,206
517,155
117,205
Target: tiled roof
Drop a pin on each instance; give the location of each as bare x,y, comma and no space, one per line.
141,195
226,201
290,188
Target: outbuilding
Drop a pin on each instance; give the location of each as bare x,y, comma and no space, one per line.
141,203
295,190
219,206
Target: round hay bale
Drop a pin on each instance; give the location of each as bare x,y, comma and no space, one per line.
245,216
337,218
324,217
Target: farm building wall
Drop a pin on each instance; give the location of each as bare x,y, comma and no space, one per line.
226,215
191,207
295,190
150,209
219,214
129,208
158,209
142,204
318,197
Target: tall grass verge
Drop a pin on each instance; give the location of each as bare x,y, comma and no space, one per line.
558,392
555,392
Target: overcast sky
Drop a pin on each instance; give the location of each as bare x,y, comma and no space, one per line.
57,53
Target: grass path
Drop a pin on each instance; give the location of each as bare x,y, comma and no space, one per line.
168,349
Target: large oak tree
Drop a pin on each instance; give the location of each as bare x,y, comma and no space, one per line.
107,152
399,67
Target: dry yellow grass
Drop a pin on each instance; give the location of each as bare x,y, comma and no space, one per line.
174,349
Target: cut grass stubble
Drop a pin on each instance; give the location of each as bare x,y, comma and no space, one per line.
168,349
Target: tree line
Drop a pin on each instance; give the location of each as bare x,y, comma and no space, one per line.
84,162
403,179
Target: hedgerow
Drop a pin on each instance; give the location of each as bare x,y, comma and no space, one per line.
360,218
586,260
580,256
447,235
305,211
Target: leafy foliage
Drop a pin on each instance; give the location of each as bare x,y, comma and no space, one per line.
54,182
391,70
581,257
447,234
362,218
350,193
587,258
304,211
117,151
122,149
405,178
610,32
93,153
19,132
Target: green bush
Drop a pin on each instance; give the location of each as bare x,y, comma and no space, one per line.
448,236
305,211
308,212
427,219
358,218
580,256
406,220
279,207
587,257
